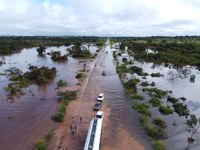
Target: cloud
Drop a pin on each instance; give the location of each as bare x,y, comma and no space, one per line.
99,17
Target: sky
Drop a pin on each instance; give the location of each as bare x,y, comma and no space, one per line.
100,17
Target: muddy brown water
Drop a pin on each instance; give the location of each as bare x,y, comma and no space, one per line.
28,118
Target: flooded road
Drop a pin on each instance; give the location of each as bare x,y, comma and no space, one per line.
121,127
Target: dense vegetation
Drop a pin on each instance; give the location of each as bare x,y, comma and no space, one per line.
35,75
11,44
176,50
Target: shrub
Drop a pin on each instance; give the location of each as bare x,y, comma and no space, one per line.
61,83
142,108
181,110
130,85
58,117
137,96
152,84
144,83
56,56
159,145
68,95
159,122
156,75
155,132
155,102
48,137
171,99
135,69
155,92
143,119
41,50
124,59
183,98
165,110
79,75
192,121
40,145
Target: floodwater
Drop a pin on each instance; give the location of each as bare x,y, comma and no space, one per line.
121,114
28,117
177,80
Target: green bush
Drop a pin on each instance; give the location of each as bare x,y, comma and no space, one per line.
40,145
142,108
137,96
155,102
192,121
144,119
58,117
155,92
181,109
159,145
165,110
61,83
144,83
79,75
68,95
159,122
130,85
152,84
155,132
156,75
172,100
48,137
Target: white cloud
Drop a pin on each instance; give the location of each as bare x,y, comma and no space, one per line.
99,17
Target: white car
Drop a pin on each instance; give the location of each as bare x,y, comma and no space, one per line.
100,98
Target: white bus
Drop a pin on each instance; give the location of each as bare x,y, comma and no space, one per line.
94,132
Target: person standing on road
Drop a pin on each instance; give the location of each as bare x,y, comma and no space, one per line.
75,129
81,119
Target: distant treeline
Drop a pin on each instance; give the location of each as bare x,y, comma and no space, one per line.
180,50
11,44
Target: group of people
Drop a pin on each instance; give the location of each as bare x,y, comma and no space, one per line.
73,126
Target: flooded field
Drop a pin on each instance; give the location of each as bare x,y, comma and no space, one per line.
28,117
180,82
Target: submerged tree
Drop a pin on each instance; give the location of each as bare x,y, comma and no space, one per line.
41,50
